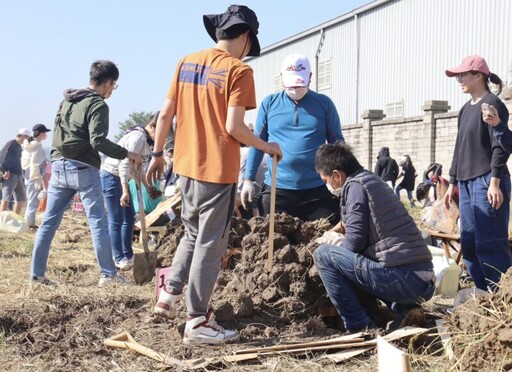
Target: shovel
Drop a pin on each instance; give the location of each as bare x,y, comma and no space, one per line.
144,264
270,256
125,340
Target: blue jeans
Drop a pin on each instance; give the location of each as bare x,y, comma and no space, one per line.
120,219
32,202
399,188
484,231
68,178
342,271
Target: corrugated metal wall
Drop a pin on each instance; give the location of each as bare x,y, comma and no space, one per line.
404,47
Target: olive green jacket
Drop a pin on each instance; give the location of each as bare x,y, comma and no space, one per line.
81,129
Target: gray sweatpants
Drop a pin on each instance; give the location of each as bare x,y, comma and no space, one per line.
206,210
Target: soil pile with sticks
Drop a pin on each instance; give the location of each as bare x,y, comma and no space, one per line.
482,330
290,291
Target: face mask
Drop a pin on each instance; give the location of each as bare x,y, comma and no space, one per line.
296,93
335,192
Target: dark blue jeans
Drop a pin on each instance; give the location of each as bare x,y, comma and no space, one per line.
342,270
484,231
120,219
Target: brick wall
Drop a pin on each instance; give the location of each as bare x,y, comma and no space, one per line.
426,139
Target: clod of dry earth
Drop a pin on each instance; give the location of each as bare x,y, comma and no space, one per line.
482,331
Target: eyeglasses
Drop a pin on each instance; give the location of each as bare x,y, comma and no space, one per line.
115,85
459,77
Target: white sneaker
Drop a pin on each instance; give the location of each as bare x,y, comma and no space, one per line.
205,330
42,280
125,263
109,280
166,304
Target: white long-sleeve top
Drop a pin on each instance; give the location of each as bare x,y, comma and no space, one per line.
33,159
134,141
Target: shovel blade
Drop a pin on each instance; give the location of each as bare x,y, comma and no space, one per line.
144,265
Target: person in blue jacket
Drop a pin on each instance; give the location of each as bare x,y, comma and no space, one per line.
300,121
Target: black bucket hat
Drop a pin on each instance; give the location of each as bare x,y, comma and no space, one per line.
236,14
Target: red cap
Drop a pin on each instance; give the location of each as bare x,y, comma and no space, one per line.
471,63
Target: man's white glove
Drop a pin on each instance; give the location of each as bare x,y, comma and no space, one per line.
42,194
38,185
331,237
248,194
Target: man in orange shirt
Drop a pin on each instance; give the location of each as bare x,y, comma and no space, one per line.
209,94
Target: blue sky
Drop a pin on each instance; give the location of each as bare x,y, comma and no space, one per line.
48,46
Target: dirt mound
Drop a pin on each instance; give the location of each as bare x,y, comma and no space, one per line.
292,290
482,330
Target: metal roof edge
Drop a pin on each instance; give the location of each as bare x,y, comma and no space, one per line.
341,18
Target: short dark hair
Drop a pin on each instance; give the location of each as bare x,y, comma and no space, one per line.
339,156
103,71
233,32
422,190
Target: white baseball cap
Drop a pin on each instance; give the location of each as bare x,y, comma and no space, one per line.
295,71
25,132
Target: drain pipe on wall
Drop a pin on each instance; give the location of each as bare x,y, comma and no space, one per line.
357,41
317,56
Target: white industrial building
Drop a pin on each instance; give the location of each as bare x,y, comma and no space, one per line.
391,54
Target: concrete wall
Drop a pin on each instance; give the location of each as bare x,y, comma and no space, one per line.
426,139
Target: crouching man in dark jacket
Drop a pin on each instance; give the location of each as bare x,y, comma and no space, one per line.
383,253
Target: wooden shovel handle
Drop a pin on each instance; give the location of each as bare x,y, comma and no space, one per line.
272,215
137,171
125,341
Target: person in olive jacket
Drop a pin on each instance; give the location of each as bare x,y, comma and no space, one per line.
80,133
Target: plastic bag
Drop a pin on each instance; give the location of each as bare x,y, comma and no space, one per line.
12,222
331,237
439,218
447,273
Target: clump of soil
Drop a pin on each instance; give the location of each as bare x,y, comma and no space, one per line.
292,289
482,330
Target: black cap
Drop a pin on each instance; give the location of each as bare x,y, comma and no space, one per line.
40,128
236,14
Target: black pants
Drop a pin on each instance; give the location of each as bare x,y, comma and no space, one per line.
308,205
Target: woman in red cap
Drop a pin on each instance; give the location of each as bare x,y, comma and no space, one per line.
479,166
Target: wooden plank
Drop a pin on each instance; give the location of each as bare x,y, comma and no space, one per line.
347,354
162,207
240,358
298,346
336,339
396,335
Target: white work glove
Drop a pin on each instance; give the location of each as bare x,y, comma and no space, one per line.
38,185
248,194
42,195
331,237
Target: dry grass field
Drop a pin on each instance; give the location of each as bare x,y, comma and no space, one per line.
63,328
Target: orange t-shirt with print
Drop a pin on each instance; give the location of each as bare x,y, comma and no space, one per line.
204,86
